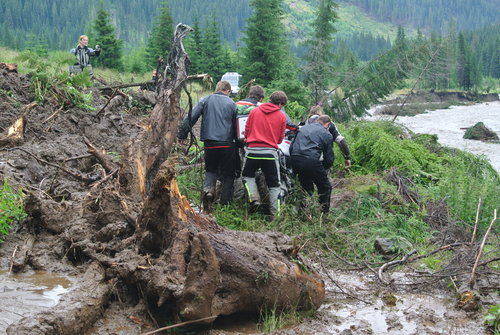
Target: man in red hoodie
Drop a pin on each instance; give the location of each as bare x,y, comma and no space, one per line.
264,130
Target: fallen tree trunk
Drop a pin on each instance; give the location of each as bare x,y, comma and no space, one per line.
187,264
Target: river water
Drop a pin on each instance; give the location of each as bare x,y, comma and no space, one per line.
447,124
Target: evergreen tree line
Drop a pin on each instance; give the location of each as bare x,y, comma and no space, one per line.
59,23
433,14
438,61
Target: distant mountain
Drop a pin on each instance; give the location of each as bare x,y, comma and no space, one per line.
60,22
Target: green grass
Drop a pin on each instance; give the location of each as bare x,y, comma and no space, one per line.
11,207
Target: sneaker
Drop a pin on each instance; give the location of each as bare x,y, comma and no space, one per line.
208,199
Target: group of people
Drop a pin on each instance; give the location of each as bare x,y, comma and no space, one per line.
311,149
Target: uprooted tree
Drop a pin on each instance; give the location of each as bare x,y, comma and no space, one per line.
149,237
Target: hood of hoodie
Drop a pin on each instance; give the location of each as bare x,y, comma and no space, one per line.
269,108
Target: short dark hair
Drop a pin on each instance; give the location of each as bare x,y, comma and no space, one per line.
256,92
278,98
324,119
223,85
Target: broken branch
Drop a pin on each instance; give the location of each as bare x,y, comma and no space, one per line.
393,263
472,280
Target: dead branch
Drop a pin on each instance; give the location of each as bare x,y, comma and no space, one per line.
15,133
182,324
12,259
477,221
472,280
338,256
490,261
353,296
107,102
391,264
103,180
19,263
78,157
10,67
444,247
76,175
100,155
53,115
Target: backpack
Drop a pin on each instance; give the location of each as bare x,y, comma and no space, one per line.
244,107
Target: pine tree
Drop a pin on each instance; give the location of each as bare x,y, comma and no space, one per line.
318,70
265,43
160,40
214,60
193,45
464,66
111,47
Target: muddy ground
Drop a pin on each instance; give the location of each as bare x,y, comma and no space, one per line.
66,213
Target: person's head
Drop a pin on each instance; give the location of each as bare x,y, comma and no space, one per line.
315,110
256,92
83,41
278,98
223,86
324,120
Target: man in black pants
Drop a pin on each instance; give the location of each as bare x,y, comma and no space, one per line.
312,141
218,132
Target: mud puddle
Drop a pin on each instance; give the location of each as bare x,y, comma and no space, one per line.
28,294
357,304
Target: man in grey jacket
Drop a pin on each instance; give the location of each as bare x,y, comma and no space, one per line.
311,142
218,133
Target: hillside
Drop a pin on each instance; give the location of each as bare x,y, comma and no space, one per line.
61,22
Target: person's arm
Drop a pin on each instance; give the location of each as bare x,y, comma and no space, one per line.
95,52
190,120
327,151
282,131
340,140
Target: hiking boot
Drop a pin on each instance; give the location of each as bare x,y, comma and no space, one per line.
255,206
208,199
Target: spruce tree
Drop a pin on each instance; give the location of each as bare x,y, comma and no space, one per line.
464,66
160,40
265,43
318,70
215,62
111,47
193,45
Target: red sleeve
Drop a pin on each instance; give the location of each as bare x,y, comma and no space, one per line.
282,129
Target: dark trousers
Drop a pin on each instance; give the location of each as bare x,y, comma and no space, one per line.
220,164
311,172
267,165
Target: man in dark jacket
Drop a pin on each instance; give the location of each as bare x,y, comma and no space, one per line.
218,132
264,130
311,142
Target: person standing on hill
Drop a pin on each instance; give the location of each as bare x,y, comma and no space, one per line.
264,130
218,133
83,54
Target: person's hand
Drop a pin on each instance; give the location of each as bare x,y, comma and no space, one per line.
347,163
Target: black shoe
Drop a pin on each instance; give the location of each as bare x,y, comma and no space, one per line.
208,199
255,206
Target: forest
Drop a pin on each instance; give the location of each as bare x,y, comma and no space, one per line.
97,188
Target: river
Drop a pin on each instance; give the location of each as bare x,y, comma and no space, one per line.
447,124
